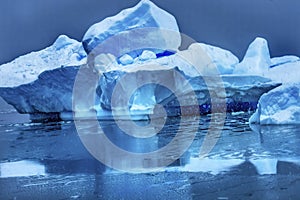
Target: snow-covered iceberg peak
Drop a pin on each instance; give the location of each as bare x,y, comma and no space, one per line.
223,59
26,69
144,15
257,59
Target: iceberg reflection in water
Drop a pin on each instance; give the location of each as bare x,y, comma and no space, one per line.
52,155
56,144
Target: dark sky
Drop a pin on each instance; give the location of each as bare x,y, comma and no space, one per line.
28,25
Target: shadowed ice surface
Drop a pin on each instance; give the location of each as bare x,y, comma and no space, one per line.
49,160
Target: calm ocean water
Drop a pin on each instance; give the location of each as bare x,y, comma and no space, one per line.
49,161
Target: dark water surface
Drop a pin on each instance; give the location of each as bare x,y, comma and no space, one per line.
48,161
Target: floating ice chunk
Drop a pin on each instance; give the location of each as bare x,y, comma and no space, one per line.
213,166
147,55
126,60
44,88
144,15
22,168
257,59
279,106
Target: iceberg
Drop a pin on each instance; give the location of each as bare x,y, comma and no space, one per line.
41,83
279,106
144,15
48,98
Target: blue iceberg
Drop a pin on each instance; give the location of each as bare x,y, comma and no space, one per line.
41,83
